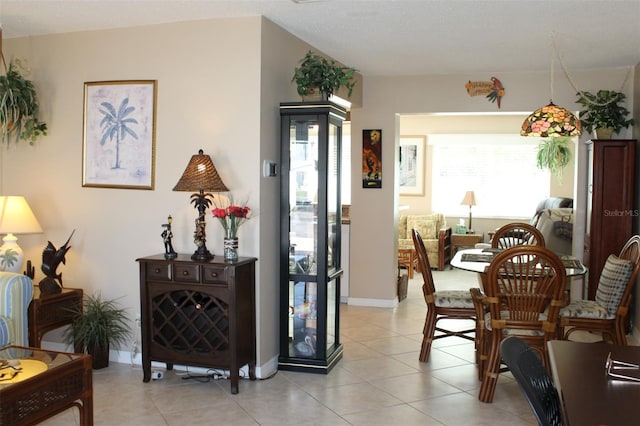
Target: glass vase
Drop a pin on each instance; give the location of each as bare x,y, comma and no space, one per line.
230,246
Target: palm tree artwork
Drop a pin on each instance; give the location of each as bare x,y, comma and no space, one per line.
117,124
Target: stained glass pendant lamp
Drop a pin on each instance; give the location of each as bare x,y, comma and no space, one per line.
551,120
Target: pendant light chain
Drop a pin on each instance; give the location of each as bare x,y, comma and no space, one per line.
551,73
573,84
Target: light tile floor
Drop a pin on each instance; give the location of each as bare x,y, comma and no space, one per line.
379,381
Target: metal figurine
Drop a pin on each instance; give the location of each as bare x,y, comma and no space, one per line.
51,258
166,235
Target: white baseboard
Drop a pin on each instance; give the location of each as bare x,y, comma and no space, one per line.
124,357
375,303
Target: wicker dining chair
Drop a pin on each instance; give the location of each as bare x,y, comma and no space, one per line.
516,234
444,304
608,314
524,291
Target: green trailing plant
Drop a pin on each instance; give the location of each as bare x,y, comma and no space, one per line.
19,109
554,154
603,110
98,324
327,76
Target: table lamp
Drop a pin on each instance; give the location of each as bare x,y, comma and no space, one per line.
469,200
16,217
200,176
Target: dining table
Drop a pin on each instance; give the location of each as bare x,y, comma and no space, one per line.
598,383
478,259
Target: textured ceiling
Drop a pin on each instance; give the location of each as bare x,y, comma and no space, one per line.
387,37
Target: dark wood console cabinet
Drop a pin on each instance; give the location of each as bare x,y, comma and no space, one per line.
198,313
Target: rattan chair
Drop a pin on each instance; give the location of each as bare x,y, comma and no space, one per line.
517,234
447,304
534,380
608,314
524,291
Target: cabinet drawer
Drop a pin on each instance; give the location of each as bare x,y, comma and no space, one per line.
158,271
215,274
186,273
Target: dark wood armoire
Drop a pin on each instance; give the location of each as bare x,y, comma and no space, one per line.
611,202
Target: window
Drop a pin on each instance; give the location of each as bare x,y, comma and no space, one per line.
500,168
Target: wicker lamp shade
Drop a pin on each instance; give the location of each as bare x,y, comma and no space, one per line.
201,174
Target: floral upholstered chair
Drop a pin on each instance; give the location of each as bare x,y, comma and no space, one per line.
436,236
16,292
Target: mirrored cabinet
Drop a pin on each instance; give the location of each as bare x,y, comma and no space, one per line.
310,269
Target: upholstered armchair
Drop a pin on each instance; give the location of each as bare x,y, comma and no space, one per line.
435,234
16,292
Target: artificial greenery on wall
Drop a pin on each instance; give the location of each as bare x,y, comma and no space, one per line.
603,110
318,73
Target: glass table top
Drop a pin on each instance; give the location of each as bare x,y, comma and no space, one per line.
19,363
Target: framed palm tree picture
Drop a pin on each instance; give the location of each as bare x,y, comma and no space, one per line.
119,134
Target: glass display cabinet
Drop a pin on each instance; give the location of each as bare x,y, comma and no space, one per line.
310,267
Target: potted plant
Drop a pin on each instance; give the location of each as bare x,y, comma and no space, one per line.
603,111
19,109
318,76
554,154
99,323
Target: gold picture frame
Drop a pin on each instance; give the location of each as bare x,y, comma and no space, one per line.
119,134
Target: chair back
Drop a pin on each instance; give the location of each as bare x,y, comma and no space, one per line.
534,380
631,252
524,289
16,293
428,288
517,234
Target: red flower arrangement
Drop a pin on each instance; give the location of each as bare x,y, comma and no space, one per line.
231,217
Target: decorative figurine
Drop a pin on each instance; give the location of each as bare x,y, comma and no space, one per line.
166,235
51,258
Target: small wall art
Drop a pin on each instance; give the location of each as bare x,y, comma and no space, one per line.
119,132
493,90
372,158
411,158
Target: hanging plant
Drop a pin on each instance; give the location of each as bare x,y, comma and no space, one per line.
19,109
554,154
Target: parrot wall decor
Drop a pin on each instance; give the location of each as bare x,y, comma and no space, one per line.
493,90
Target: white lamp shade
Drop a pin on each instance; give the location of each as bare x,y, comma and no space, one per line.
16,217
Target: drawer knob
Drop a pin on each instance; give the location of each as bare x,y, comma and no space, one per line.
157,270
185,273
214,274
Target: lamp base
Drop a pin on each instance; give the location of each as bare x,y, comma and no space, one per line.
11,255
202,254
